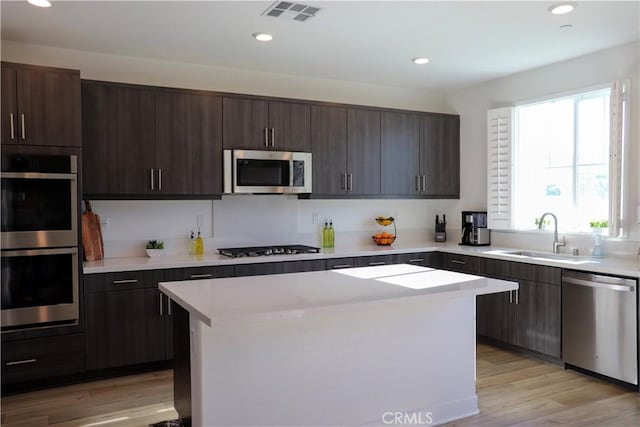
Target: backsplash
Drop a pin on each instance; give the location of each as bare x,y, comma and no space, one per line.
256,220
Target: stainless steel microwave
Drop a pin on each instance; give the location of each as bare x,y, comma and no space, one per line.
266,172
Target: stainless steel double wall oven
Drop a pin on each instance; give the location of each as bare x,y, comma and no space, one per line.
39,240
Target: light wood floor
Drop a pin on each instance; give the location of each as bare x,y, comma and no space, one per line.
512,390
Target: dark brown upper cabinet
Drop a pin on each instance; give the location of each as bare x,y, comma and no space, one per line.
346,151
40,106
254,124
329,149
188,131
150,143
400,142
440,156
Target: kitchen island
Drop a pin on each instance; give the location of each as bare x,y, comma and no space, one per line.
369,345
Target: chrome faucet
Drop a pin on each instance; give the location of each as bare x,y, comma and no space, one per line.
556,243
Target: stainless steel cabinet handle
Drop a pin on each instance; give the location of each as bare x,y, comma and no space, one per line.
510,297
455,261
153,184
423,180
24,135
169,306
161,314
350,182
377,263
341,266
21,362
273,137
160,179
517,296
418,183
266,137
343,185
13,131
416,260
201,276
122,282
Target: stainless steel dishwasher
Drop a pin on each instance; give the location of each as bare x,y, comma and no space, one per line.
600,324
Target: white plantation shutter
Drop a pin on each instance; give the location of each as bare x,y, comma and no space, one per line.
619,131
499,168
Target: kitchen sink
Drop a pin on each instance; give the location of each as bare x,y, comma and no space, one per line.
564,258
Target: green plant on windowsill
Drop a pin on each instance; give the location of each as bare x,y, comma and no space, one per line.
536,221
599,224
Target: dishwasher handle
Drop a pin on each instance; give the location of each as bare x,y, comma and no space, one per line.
599,285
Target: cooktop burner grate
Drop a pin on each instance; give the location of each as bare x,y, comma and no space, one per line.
254,251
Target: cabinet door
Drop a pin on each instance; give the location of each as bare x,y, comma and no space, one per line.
174,151
363,155
133,151
338,263
400,142
9,119
124,328
99,135
329,149
49,107
245,124
461,263
526,315
495,316
440,155
205,137
289,126
548,319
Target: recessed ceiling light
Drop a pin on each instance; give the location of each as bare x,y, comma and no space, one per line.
263,37
420,61
561,8
40,3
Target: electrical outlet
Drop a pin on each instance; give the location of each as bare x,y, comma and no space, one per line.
105,222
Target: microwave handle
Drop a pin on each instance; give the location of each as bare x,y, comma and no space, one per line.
291,173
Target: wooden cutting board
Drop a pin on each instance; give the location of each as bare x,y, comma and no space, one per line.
91,235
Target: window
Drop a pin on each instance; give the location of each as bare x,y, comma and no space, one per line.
561,155
562,161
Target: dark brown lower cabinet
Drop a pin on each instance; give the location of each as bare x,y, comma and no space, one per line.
40,358
424,259
372,261
279,267
527,318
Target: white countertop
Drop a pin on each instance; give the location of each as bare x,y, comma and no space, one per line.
217,301
625,266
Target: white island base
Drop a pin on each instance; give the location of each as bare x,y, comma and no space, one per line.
365,346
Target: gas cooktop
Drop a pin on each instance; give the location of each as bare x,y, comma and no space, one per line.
268,250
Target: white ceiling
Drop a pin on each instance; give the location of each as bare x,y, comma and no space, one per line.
365,41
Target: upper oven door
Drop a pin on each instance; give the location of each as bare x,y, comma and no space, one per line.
249,171
39,209
39,286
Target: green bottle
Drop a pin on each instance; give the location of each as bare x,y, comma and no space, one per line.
332,235
325,235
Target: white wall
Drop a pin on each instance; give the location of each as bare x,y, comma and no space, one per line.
472,104
147,71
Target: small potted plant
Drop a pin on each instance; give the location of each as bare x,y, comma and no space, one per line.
155,248
598,227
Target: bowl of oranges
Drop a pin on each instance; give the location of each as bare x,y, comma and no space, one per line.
384,238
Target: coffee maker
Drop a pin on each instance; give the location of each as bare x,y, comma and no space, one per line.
474,229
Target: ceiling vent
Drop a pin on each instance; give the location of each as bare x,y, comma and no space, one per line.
294,11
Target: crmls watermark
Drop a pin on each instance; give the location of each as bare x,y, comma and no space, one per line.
407,418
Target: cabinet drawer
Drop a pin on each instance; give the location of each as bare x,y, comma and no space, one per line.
278,267
461,263
113,281
496,268
212,272
336,263
371,261
41,358
425,259
536,273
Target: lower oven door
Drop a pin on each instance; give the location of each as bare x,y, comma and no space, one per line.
39,286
